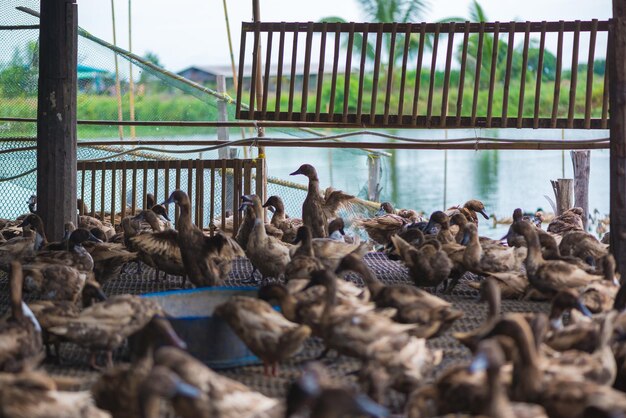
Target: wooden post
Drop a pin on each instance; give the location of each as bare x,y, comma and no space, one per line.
222,135
563,192
581,161
256,17
56,115
373,177
617,108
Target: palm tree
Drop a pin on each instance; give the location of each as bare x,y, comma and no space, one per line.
401,11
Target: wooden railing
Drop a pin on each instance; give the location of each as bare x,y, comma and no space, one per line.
108,186
397,87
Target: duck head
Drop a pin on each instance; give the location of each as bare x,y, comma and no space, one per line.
179,197
476,206
307,170
79,236
470,233
35,224
92,292
336,225
163,383
385,207
274,203
437,218
252,201
160,211
458,219
303,235
563,301
99,233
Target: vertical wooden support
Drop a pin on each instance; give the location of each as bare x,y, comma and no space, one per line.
373,177
256,15
56,115
581,162
617,99
359,100
563,194
222,116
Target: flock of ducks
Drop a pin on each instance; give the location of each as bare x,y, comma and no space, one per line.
570,363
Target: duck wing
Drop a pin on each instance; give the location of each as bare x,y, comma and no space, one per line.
159,244
333,200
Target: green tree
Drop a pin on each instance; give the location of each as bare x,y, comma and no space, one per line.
19,77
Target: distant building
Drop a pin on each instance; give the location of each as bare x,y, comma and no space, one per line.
207,75
93,80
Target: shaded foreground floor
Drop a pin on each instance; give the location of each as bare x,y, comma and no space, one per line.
75,360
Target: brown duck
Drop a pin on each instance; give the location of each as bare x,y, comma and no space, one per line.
318,210
21,347
414,306
205,258
280,220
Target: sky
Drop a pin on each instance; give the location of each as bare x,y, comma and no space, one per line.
193,32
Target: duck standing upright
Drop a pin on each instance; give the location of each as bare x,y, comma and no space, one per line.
313,214
199,253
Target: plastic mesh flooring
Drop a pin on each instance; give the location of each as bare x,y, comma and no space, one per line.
75,359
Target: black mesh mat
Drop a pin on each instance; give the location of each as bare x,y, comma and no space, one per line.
131,280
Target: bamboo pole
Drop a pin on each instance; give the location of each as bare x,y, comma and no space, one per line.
256,17
131,82
118,87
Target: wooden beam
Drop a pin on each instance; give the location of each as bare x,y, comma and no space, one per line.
617,106
581,162
56,115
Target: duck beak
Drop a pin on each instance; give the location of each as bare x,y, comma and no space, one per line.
380,212
188,391
167,218
295,172
429,226
582,308
482,212
342,232
479,363
367,406
99,295
93,238
169,201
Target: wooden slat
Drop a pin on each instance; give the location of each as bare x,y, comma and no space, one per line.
574,76
590,62
492,75
156,182
418,72
223,200
190,178
247,186
279,70
133,199
605,94
102,192
478,70
333,83
359,101
557,79
347,71
255,61
433,71
179,165
198,201
260,162
377,53
520,105
236,193
542,48
124,185
520,27
320,72
292,76
242,59
113,193
93,192
405,58
459,100
446,75
212,199
166,169
507,74
82,188
307,68
390,62
266,77
145,185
